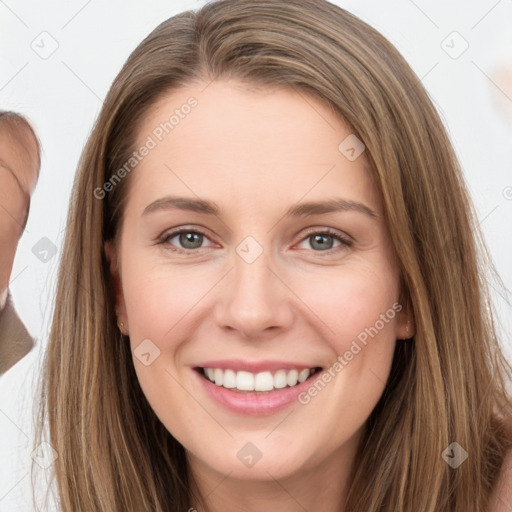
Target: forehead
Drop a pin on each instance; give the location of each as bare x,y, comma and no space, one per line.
247,142
232,109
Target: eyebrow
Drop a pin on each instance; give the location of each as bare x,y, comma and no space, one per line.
297,210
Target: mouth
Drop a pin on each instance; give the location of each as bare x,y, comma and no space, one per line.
260,383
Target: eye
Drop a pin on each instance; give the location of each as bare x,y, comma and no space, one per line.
188,239
324,240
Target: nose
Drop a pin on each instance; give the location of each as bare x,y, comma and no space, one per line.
254,300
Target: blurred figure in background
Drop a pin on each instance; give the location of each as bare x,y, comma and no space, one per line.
501,90
20,161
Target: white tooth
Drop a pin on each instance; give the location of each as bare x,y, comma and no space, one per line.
264,381
245,381
218,376
229,379
292,377
280,379
303,375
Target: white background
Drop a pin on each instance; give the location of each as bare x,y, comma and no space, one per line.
61,95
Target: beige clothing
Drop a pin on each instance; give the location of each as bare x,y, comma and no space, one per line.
15,340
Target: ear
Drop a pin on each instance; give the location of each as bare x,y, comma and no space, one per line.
113,260
405,326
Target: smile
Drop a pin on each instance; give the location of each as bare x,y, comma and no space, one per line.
264,381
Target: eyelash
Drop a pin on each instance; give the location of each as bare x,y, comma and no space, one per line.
345,242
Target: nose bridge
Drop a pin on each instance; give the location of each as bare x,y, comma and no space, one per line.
252,279
256,299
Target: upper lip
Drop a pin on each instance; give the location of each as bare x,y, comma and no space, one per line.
254,366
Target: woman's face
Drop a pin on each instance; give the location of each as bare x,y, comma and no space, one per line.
262,283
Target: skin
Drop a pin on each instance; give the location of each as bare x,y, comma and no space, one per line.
255,153
19,168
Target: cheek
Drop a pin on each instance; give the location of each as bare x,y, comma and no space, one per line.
158,297
360,308
353,303
159,303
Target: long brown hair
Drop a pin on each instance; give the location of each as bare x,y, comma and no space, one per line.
448,384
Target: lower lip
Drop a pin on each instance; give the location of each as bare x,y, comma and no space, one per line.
252,404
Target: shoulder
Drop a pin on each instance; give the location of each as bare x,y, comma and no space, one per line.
501,497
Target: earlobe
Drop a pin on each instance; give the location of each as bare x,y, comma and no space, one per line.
405,326
409,329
